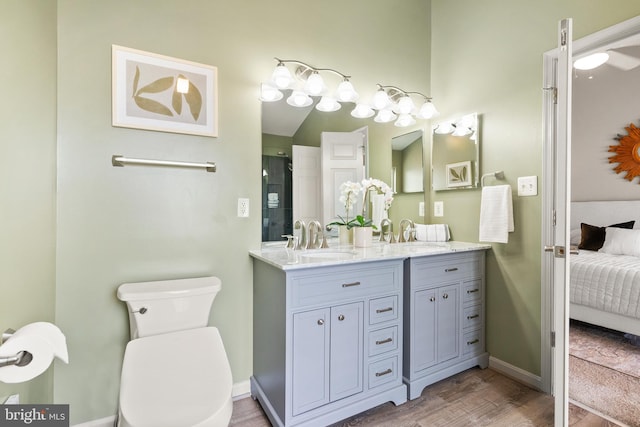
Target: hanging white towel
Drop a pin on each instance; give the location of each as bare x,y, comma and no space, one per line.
496,214
378,213
432,232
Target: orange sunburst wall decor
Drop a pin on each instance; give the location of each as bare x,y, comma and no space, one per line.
627,153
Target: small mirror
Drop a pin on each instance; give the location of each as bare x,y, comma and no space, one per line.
455,154
406,163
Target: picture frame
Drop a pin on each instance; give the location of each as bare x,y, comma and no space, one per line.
458,174
160,93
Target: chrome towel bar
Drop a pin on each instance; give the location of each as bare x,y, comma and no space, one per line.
119,161
496,175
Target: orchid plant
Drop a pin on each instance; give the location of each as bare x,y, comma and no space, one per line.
348,196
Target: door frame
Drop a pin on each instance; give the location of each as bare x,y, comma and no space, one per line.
592,42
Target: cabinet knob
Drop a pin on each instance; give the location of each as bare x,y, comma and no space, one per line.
445,296
341,317
432,299
320,322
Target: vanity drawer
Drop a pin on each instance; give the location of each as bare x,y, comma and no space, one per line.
473,342
330,284
472,291
472,317
428,272
383,371
383,340
383,309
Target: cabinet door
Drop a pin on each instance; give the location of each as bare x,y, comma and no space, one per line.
424,329
310,374
347,335
448,321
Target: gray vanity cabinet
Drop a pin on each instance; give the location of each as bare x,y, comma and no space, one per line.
443,317
327,340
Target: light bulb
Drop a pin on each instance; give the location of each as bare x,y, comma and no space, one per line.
404,120
328,104
427,111
281,76
299,99
405,105
269,93
381,99
315,84
385,116
346,92
362,111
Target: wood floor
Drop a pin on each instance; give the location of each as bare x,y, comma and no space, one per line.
475,397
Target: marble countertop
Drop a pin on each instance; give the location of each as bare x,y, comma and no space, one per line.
276,254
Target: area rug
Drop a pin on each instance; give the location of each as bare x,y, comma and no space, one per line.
604,372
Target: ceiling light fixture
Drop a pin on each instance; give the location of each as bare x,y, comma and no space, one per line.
592,61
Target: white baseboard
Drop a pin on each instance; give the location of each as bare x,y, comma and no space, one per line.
238,391
518,374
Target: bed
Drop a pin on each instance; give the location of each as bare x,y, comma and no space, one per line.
605,287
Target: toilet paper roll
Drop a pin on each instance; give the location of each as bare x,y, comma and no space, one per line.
40,341
53,335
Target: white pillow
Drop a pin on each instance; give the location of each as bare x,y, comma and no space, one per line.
575,236
621,241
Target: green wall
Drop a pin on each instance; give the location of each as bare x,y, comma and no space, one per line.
28,174
489,59
130,224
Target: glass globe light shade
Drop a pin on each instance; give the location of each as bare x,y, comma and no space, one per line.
346,92
444,128
362,111
381,99
405,120
385,116
299,99
405,105
269,93
427,111
281,76
328,104
314,85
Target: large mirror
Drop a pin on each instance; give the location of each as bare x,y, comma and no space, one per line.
407,175
284,127
455,154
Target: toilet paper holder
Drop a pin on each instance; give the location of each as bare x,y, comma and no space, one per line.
23,358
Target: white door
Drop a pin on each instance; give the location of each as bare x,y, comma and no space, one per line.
556,214
343,159
306,184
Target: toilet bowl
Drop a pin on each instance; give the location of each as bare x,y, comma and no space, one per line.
178,378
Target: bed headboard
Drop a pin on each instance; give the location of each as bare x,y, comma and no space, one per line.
605,213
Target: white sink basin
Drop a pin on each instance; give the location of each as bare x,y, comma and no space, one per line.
321,255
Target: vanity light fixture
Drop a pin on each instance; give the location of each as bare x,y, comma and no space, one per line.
390,102
312,84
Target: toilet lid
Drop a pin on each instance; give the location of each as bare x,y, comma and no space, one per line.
179,378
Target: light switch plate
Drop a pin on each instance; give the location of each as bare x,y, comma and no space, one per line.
528,186
438,208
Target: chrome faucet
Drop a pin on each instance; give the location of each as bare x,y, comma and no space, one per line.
401,236
302,239
314,231
386,229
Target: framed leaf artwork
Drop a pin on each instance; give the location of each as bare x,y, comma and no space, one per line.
458,174
160,93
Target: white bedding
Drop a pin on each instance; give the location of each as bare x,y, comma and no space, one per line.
610,283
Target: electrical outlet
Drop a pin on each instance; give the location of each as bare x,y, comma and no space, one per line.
243,208
438,208
421,209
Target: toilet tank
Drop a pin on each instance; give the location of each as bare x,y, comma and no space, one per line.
168,305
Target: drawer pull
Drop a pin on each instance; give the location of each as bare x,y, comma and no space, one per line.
449,270
341,317
320,322
387,372
445,296
384,341
470,291
473,342
432,299
473,316
384,310
346,285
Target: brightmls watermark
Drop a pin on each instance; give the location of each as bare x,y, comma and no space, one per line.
34,415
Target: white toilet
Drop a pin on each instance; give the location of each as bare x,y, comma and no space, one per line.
175,371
